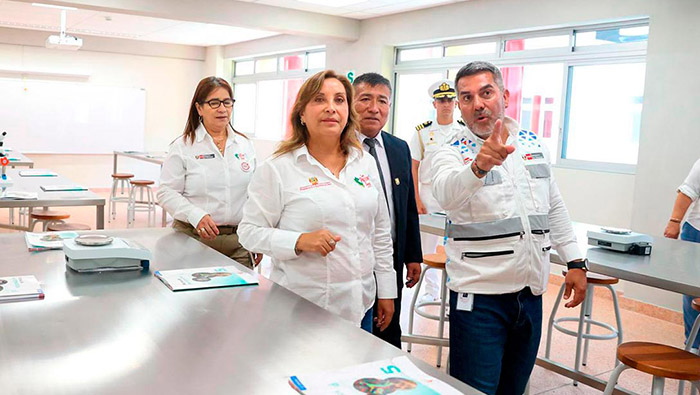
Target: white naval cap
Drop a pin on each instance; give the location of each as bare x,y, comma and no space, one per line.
442,88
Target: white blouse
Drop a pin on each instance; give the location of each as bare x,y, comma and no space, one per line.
293,194
197,180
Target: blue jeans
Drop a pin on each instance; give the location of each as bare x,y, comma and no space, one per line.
689,233
493,347
367,321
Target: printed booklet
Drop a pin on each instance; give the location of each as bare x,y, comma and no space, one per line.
13,289
205,277
398,376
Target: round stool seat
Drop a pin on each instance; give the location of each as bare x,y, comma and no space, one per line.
142,182
436,260
696,304
122,175
49,215
62,227
660,360
595,278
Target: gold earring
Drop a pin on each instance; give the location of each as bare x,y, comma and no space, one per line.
302,122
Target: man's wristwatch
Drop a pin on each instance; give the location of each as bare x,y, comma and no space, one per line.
582,264
479,172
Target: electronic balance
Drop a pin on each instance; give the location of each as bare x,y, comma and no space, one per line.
98,253
622,240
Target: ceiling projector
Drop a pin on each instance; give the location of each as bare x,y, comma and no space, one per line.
64,41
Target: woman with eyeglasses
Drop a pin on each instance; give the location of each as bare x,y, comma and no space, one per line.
205,177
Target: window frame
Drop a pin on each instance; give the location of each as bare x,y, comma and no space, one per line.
569,56
303,73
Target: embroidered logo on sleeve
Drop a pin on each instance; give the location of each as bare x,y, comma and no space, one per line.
363,180
466,147
313,183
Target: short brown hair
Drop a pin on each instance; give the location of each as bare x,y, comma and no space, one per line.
310,88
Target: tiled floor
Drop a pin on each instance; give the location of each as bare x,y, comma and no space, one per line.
600,358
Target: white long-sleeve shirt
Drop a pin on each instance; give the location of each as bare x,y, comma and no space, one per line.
293,194
499,237
691,189
197,180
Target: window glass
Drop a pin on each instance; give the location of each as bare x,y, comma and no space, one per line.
317,60
472,49
245,68
244,108
413,104
291,62
535,100
420,53
268,65
618,35
604,112
527,44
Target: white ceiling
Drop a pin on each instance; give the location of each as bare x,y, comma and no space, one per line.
80,22
95,23
360,10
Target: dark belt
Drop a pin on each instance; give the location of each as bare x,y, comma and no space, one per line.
223,229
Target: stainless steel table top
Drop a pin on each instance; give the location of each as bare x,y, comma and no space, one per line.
51,199
127,333
674,265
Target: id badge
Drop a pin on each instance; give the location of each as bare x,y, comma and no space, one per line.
465,302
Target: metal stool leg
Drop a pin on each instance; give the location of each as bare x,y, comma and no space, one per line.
657,385
151,208
579,337
413,306
612,381
618,318
130,208
550,324
689,347
441,324
589,313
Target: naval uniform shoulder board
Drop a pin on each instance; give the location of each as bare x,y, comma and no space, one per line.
424,125
459,121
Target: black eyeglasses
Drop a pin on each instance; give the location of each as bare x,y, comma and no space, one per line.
216,103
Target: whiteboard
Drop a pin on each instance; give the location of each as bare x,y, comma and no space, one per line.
71,117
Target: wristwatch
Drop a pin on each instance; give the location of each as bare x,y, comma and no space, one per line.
582,264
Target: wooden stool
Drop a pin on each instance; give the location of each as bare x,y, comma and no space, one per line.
119,181
692,336
46,217
435,261
65,226
594,280
148,205
659,360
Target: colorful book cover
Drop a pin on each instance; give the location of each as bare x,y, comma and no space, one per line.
47,241
205,277
18,288
398,376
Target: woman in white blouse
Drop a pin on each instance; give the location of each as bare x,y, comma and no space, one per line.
315,209
205,177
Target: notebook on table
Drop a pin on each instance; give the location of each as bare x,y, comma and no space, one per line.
62,188
13,289
205,277
37,173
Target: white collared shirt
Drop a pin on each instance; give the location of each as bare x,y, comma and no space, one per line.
293,193
691,189
386,172
197,180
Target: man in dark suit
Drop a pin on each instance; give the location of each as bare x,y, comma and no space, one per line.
393,158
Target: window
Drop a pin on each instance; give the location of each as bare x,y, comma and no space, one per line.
413,105
604,105
572,87
265,90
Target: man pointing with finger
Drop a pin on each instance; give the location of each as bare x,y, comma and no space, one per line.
504,213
